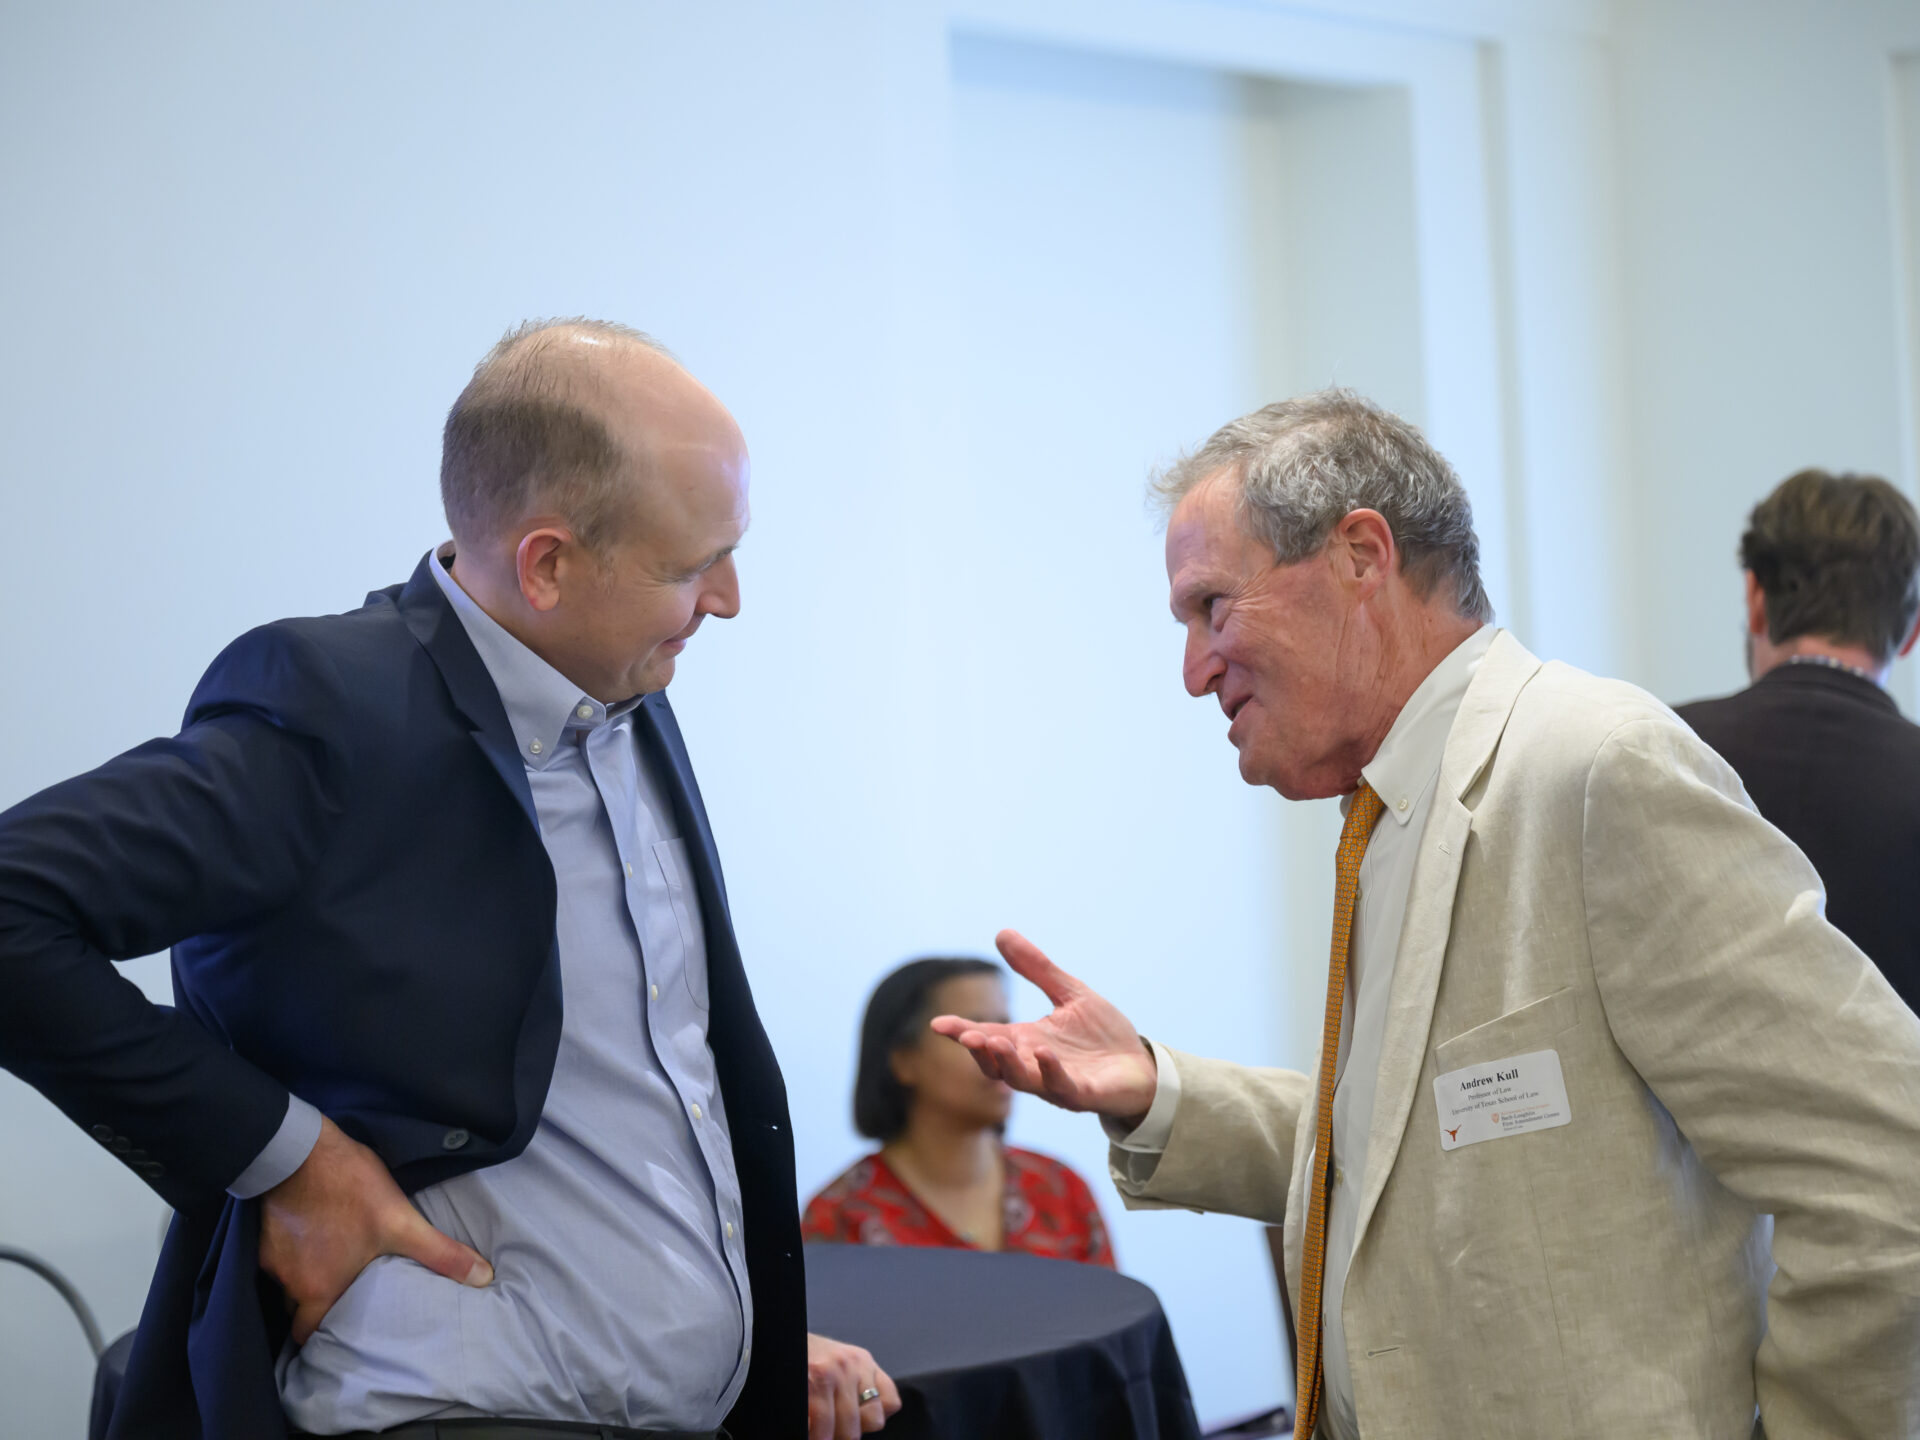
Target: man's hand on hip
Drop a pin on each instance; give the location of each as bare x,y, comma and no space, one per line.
323,1225
848,1395
1086,1055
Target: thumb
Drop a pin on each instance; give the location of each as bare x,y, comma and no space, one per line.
306,1320
1029,960
415,1239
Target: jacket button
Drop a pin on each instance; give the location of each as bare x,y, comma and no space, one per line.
454,1140
152,1169
103,1133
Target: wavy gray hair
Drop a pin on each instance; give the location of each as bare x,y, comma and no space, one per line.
1304,464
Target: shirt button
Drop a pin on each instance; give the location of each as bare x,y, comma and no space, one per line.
535,746
696,1112
653,992
585,712
629,869
729,1229
454,1140
1401,803
1339,1176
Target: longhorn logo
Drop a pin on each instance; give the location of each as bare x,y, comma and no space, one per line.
1454,1134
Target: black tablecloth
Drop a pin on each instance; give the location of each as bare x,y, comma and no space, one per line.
983,1347
1004,1347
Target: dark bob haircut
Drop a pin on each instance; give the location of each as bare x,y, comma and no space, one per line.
897,1016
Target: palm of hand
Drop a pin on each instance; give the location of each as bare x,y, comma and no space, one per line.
1085,1055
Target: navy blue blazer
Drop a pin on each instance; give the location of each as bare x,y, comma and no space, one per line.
341,849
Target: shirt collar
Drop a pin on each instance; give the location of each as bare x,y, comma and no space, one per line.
1811,671
542,704
1410,756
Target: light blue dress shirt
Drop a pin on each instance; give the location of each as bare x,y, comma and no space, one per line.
620,1294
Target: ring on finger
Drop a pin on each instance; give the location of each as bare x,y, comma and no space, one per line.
870,1393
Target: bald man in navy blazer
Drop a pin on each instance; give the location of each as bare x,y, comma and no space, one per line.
465,1111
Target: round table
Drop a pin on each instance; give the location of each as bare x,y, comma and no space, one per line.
1004,1347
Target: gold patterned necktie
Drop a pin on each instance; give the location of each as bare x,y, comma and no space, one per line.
1362,814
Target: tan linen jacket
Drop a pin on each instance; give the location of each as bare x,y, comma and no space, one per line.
1593,881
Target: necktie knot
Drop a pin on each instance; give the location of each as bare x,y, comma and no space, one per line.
1363,813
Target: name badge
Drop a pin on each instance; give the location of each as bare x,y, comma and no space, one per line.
1501,1098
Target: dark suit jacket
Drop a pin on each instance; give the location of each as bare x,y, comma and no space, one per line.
1826,756
341,848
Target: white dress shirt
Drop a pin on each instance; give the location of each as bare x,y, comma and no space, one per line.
1403,774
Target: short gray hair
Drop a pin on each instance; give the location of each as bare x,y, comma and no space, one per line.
1304,464
522,438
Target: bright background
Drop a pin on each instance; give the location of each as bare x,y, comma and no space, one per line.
965,270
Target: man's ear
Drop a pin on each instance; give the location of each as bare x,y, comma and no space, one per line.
1757,609
1364,552
540,562
1913,634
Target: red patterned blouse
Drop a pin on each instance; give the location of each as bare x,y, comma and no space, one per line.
1048,1211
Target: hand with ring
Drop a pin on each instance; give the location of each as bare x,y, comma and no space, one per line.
848,1395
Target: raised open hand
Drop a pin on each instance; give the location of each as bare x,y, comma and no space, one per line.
1086,1055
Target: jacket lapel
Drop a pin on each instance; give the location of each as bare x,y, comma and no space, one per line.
1476,732
444,638
659,732
749,1073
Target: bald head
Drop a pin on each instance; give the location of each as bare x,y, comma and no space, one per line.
576,421
596,492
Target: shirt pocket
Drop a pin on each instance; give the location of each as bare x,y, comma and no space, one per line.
671,857
1518,1032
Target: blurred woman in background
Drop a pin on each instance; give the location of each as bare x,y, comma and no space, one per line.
942,1176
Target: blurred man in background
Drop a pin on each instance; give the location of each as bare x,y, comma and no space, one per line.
466,1110
1592,1060
1832,567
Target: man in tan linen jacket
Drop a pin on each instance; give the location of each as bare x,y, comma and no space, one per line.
1716,1213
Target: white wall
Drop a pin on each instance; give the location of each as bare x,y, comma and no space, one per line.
1629,267
1763,304
252,252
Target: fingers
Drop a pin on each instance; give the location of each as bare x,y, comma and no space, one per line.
1030,960
978,1042
887,1404
1000,1059
833,1403
413,1237
836,1376
1055,1083
306,1320
1036,1069
967,1032
846,1406
1016,1069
